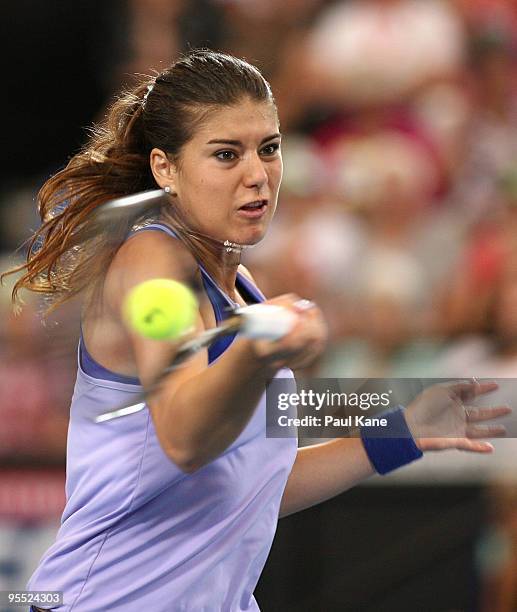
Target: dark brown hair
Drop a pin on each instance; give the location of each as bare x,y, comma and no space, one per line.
69,252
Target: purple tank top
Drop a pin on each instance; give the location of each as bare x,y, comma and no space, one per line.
139,534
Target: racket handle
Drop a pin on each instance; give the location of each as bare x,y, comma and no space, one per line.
266,321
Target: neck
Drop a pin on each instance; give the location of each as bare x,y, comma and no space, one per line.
220,258
225,260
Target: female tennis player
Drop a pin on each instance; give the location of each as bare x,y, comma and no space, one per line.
174,508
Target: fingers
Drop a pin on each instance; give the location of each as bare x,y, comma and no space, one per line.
476,415
473,388
303,305
307,356
491,431
480,388
462,444
473,446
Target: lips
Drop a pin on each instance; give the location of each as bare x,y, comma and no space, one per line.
256,205
253,210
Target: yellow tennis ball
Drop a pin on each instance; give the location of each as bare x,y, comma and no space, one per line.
161,309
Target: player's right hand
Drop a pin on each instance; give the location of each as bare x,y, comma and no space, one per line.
303,344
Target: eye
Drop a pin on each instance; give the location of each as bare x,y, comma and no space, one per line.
226,155
270,149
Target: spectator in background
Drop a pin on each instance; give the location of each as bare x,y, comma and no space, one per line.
159,30
273,34
488,14
493,351
488,250
154,36
387,180
490,135
380,51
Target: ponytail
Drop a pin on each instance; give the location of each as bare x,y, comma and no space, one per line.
70,252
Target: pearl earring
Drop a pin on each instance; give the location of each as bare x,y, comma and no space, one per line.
167,189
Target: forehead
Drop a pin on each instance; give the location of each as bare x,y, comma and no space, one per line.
246,119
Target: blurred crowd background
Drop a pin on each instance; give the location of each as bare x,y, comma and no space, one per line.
398,211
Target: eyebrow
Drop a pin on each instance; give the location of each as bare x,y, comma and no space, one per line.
238,143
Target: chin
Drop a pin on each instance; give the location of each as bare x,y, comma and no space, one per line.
251,237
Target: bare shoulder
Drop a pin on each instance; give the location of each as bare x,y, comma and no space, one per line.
145,255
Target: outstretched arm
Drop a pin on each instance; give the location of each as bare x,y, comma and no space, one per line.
439,418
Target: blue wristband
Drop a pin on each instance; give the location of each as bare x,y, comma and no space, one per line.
392,446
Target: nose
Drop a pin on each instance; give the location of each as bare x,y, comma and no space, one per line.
255,175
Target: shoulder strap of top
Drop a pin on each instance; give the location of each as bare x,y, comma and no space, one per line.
245,285
160,227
